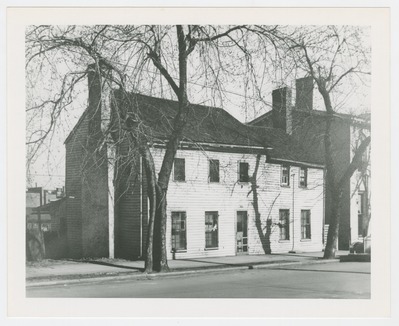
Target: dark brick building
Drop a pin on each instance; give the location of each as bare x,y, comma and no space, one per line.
307,126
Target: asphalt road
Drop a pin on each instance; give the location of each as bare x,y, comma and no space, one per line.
330,280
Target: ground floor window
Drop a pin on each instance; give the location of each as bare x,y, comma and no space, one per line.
284,219
179,239
305,224
211,230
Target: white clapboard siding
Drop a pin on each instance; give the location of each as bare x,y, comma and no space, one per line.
310,198
196,195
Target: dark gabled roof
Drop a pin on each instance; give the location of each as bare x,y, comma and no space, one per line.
76,126
205,124
212,125
363,119
286,148
260,118
208,125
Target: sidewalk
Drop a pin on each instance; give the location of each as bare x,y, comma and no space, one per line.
49,272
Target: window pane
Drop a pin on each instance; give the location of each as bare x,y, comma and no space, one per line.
214,170
305,224
239,222
244,167
303,176
211,230
178,230
179,169
284,224
242,226
285,175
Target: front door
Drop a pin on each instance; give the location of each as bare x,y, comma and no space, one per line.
242,233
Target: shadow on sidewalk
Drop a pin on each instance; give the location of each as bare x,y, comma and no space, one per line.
317,270
212,264
109,264
298,255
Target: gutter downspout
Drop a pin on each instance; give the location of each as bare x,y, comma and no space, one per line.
141,205
111,199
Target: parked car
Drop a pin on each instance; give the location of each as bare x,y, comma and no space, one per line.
360,247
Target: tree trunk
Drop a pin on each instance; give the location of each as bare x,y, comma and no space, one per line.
332,236
152,196
264,237
160,251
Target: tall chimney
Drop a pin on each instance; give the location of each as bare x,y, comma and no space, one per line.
304,93
99,99
281,103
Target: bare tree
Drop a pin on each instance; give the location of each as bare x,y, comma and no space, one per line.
142,58
333,56
138,56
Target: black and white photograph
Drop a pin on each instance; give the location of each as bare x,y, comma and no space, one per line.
199,161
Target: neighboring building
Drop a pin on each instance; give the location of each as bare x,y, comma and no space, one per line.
212,208
45,211
52,216
53,225
308,127
37,208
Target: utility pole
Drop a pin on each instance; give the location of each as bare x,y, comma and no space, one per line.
292,251
39,216
39,211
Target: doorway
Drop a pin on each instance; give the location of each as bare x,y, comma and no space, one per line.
242,233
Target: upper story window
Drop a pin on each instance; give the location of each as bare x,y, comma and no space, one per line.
285,175
243,169
179,173
303,177
214,171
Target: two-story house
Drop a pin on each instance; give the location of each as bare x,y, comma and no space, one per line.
307,126
235,189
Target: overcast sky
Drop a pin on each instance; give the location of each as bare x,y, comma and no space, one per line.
49,168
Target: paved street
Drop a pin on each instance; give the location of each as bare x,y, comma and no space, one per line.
329,280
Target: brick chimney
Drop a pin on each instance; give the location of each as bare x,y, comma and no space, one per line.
304,93
99,99
281,108
97,185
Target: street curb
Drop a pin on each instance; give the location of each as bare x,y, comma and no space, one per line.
88,278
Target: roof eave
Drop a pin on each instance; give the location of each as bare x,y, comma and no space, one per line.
76,126
295,162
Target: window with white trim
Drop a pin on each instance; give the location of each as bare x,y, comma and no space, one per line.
214,171
305,224
179,171
303,177
243,170
179,239
211,230
284,219
285,175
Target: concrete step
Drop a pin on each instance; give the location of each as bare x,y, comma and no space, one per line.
355,258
